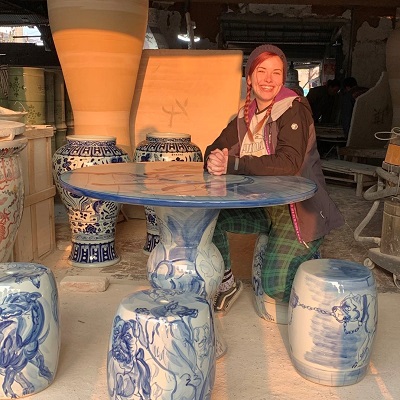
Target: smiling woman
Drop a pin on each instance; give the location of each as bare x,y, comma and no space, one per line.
273,134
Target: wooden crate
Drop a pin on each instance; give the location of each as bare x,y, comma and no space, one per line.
36,234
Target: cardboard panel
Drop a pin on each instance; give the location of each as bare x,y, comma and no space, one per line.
186,91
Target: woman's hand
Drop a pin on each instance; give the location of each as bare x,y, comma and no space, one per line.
217,162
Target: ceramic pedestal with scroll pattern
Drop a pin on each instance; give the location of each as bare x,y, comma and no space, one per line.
163,147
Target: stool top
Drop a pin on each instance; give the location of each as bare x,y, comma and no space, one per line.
164,303
20,271
332,269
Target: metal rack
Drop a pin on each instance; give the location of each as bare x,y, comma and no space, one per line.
388,189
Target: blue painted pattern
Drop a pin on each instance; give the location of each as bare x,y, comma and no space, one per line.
184,185
29,328
162,347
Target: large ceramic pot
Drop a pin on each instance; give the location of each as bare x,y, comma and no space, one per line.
99,45
27,93
11,192
92,222
163,147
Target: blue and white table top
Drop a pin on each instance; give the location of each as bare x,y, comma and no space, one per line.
183,184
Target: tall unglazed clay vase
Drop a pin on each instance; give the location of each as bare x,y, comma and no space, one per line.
92,222
163,146
99,45
11,185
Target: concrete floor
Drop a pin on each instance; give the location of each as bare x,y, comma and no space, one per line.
257,365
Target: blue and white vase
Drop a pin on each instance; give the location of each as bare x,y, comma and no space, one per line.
11,192
333,316
92,222
29,329
163,147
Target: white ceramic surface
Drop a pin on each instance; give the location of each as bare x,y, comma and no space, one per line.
11,115
29,329
9,129
162,346
332,321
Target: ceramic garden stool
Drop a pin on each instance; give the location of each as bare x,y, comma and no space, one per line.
266,307
161,346
29,329
332,321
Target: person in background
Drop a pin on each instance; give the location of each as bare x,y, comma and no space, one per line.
323,101
351,91
272,134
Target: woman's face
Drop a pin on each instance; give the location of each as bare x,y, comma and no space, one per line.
266,81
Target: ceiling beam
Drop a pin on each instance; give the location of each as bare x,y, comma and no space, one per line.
346,3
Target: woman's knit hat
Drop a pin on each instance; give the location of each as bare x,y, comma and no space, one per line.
270,48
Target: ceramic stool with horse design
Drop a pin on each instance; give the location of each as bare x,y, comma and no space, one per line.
29,329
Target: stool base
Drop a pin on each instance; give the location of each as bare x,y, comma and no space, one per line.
271,310
330,378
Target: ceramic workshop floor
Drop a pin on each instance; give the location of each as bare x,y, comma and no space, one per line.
257,365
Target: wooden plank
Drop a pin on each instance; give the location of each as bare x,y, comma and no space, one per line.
39,196
356,170
36,234
349,167
346,3
363,153
168,99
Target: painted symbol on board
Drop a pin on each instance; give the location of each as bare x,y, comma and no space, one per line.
181,109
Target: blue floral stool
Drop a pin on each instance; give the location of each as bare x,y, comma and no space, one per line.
162,346
29,329
333,314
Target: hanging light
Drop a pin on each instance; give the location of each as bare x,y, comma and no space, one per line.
185,37
189,35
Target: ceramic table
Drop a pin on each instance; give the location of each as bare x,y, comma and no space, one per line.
187,201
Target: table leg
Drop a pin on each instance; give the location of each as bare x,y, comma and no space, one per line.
185,258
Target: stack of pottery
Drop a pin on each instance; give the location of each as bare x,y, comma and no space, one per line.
11,184
99,45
